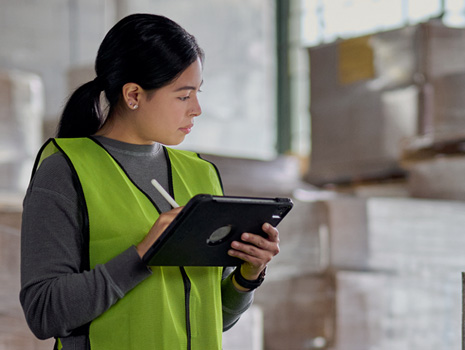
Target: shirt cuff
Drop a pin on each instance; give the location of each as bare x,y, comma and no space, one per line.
127,270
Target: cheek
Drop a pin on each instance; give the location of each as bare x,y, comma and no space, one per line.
175,114
166,123
167,116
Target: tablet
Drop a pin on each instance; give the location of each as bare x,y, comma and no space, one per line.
201,234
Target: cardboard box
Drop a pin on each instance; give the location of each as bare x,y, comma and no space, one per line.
397,311
298,312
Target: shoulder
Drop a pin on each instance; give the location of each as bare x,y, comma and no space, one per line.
199,169
52,167
189,159
182,153
54,175
188,156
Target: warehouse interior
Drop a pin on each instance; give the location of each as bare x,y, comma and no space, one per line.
353,109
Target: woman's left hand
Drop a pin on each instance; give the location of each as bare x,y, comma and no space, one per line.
256,252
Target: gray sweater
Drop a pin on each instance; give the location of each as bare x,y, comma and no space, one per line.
56,296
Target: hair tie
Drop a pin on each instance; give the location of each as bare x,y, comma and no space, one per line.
99,83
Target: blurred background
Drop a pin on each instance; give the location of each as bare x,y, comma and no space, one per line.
353,108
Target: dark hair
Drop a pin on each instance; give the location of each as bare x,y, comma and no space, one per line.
145,49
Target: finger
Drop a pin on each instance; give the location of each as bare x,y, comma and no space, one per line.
249,258
264,253
171,214
248,249
271,231
256,240
175,210
165,219
269,245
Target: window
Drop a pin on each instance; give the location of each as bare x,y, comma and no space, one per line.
325,21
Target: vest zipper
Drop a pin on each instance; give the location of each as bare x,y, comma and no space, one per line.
187,293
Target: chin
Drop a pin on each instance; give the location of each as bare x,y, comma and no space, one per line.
172,142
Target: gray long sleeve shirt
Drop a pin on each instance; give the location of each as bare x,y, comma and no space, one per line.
56,296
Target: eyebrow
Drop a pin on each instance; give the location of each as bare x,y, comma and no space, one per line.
188,87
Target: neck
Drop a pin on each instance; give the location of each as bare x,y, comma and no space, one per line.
118,127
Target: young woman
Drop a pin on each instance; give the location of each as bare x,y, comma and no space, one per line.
91,213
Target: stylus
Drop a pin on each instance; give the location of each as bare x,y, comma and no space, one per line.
165,194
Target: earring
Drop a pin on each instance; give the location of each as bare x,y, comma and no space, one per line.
135,106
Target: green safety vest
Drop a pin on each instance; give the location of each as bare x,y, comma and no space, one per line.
176,307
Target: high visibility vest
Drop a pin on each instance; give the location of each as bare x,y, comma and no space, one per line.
176,307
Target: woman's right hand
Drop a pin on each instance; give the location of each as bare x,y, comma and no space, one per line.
157,229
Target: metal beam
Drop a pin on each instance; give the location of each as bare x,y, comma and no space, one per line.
283,100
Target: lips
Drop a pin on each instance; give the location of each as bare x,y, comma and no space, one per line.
187,129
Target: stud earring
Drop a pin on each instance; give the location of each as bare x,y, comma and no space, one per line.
135,106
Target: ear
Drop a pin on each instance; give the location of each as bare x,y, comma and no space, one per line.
132,95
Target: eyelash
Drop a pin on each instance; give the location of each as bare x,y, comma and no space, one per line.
185,98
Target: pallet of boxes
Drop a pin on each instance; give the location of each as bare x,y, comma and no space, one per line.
388,135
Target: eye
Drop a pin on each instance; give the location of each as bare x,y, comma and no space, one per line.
185,98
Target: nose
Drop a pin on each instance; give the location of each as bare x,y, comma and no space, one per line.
196,110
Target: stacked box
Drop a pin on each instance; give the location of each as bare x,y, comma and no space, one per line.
9,262
348,232
247,333
374,97
14,335
21,113
395,234
357,124
437,177
250,177
397,311
398,285
14,332
414,235
298,312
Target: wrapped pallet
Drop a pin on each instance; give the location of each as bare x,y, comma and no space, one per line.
363,103
400,276
379,98
21,114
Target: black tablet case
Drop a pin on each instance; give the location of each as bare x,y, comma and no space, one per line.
195,237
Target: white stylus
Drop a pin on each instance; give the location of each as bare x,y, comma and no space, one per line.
165,194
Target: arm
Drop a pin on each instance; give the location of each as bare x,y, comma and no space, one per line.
234,302
56,294
256,255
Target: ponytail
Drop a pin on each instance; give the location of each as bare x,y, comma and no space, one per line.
82,115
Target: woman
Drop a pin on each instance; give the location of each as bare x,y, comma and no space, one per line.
91,213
